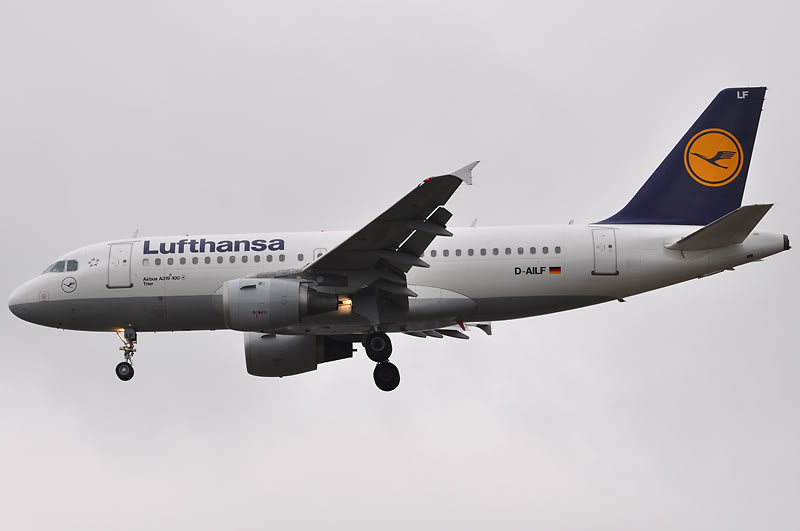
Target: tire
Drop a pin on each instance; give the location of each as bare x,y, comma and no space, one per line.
124,371
378,347
386,376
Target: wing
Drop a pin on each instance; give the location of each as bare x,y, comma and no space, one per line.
722,155
378,256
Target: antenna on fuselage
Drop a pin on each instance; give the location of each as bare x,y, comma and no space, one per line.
135,234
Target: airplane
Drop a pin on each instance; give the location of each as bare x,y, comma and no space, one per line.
303,299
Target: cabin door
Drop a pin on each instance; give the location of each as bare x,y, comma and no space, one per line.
605,252
119,265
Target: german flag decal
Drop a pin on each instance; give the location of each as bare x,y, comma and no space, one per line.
555,270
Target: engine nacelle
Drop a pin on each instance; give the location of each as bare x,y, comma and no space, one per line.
271,355
266,304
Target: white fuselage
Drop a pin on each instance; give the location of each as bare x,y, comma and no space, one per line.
488,274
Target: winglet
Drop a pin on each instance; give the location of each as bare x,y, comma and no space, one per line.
465,173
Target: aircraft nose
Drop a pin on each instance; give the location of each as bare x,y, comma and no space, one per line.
17,301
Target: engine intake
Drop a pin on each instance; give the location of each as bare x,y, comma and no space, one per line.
271,355
263,305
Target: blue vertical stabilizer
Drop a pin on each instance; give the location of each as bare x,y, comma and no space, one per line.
703,177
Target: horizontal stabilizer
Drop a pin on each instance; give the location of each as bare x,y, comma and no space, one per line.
731,229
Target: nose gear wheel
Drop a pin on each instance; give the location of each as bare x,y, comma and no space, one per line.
124,371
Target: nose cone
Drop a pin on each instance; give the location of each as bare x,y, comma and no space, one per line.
18,302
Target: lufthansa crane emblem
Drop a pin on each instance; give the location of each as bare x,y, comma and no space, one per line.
69,284
713,157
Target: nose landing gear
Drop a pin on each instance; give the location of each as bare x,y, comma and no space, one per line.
379,348
125,369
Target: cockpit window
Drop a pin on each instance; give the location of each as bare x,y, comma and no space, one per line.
72,265
58,267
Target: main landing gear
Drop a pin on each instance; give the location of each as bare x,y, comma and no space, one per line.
125,368
379,348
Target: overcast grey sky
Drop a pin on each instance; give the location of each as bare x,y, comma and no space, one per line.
677,410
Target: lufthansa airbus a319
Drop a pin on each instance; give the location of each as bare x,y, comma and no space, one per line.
303,299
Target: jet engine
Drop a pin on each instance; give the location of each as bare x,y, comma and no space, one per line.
267,304
271,355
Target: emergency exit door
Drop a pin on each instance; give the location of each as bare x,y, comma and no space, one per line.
119,265
605,252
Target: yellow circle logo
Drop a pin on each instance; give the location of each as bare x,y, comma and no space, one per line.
713,157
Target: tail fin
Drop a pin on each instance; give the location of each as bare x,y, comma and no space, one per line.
703,177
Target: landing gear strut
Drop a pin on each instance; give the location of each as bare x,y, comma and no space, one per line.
125,368
379,348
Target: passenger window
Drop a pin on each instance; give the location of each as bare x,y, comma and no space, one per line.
158,261
458,252
558,249
433,254
520,250
146,262
195,260
495,251
545,250
446,252
219,259
183,260
58,267
533,250
232,259
170,261
483,252
508,250
244,259
72,265
257,258
300,257
470,252
281,257
207,260
269,258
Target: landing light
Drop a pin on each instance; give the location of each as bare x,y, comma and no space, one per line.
345,305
